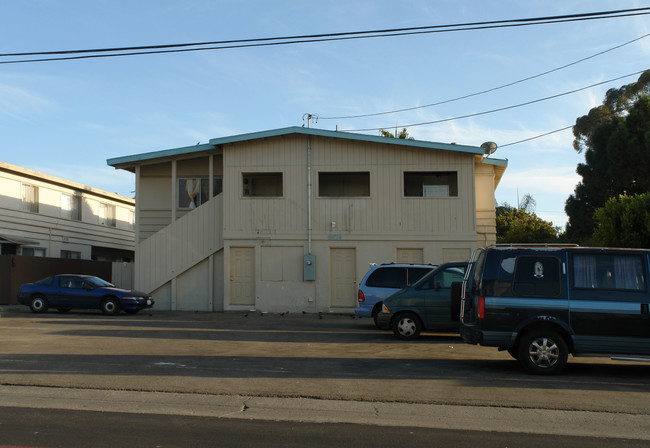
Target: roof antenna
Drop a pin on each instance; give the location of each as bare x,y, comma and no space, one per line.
309,117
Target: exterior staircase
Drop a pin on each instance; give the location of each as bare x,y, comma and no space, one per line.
179,246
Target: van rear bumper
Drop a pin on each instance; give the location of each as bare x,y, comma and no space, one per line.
471,334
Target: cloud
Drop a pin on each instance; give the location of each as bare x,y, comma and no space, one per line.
19,103
557,180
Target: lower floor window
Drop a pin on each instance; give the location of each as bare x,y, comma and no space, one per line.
33,252
70,254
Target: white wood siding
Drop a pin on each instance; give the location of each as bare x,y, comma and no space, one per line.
385,212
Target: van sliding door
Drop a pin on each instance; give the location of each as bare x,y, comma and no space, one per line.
609,302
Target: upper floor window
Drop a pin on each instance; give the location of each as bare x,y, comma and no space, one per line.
344,184
131,219
70,206
194,191
30,198
262,184
107,215
433,184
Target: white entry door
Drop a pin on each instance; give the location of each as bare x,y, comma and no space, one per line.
343,278
242,276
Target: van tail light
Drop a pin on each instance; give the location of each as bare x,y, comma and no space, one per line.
362,298
481,307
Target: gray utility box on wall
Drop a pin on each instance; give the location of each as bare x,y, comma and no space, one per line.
309,267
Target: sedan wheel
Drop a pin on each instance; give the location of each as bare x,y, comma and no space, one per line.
110,306
39,304
407,326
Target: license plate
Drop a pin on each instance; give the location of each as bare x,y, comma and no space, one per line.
148,301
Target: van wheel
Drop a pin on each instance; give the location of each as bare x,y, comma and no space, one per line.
407,326
543,352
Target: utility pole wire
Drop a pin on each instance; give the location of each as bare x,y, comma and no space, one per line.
482,92
287,40
500,109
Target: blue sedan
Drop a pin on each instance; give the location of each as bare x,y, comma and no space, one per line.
69,291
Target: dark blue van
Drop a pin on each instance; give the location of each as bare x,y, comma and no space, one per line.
543,303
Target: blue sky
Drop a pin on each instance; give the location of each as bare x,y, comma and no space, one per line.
66,118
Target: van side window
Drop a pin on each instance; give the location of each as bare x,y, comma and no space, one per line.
537,277
609,272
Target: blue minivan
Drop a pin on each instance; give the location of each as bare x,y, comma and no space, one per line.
425,305
384,280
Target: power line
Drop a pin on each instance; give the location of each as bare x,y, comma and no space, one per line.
406,109
500,109
591,120
287,40
537,136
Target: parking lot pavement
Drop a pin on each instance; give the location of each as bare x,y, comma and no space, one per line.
326,357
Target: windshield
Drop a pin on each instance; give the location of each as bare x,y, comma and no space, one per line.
98,282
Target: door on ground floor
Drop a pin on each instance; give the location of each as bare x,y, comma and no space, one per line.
343,277
242,276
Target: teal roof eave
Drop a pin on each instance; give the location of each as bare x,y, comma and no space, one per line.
347,136
133,159
498,162
126,161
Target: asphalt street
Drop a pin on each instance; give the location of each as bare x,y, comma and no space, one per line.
69,429
305,368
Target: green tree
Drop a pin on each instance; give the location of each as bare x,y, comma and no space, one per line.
403,134
617,161
522,225
624,221
616,104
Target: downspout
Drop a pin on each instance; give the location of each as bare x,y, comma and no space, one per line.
309,195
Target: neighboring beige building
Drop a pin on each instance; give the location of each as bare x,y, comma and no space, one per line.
45,216
288,220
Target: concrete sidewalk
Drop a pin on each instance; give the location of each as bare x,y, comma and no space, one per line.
463,418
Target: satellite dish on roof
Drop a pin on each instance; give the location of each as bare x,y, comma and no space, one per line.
489,148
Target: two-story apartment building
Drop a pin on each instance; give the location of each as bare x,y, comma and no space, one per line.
289,219
46,216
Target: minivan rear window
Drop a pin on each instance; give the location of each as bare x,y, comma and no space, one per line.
391,277
537,277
